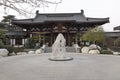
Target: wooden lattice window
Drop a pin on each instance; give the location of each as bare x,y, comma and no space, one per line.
18,41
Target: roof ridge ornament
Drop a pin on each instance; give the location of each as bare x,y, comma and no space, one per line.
82,11
37,11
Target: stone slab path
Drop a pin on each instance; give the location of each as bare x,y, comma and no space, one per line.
82,67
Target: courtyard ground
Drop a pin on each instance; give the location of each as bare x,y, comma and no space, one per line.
82,67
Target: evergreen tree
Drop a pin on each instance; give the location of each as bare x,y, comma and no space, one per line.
8,18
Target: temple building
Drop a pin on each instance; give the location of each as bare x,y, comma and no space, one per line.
46,26
117,28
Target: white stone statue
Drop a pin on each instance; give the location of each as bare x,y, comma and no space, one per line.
59,49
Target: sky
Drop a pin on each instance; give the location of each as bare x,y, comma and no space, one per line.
92,8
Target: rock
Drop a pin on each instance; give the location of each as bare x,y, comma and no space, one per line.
94,52
31,52
38,51
99,48
12,54
77,48
85,50
116,53
21,53
4,52
43,47
93,47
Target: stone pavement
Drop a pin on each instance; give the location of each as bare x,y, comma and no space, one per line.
38,67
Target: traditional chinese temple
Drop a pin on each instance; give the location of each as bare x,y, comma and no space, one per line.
117,28
46,26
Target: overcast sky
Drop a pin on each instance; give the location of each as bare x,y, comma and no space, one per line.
92,8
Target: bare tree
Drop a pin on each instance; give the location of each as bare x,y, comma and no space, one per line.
26,6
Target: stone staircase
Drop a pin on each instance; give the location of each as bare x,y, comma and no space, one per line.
68,49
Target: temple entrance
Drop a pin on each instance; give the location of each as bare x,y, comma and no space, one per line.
50,38
39,38
49,25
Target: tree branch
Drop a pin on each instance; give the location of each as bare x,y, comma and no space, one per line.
18,5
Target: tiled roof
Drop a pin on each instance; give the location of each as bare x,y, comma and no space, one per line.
60,17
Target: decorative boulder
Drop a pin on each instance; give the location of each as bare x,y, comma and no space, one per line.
116,53
21,53
38,51
12,54
43,47
85,50
77,48
99,48
94,52
4,52
93,47
31,52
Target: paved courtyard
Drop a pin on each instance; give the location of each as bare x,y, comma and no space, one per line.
38,67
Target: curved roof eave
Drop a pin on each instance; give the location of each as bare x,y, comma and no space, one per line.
117,28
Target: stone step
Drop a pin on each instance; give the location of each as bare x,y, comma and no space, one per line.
68,49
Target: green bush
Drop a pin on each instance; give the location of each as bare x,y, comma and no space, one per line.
9,48
30,43
1,44
13,49
106,52
104,48
18,49
6,41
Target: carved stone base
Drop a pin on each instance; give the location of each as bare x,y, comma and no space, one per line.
61,59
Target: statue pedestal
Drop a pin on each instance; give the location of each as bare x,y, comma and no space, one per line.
61,59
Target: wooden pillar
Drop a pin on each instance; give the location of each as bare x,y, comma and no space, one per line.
51,38
11,41
67,37
59,25
24,42
14,42
39,38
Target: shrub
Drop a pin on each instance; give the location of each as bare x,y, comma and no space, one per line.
104,47
18,49
9,48
106,52
1,44
13,49
30,43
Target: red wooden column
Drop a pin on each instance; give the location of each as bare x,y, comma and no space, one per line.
68,38
51,40
59,25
